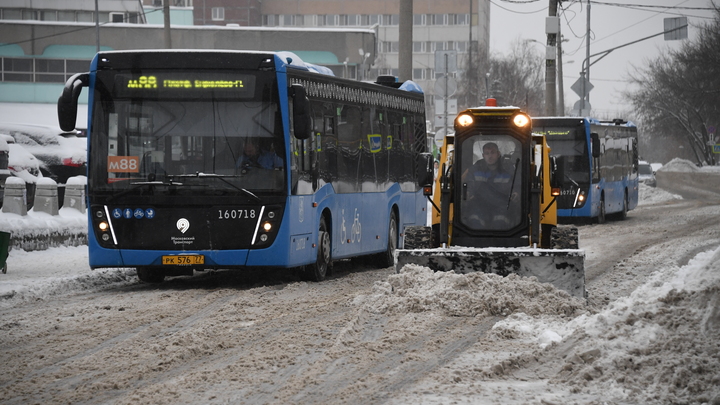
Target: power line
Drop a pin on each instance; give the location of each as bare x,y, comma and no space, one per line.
518,12
651,6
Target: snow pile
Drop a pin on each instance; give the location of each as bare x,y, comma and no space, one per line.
418,289
42,274
40,225
679,165
652,195
658,345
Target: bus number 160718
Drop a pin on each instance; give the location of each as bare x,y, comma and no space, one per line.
236,214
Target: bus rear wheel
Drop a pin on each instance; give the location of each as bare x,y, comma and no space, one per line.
152,276
319,270
387,258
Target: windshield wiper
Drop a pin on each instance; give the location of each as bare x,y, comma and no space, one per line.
512,185
219,177
571,180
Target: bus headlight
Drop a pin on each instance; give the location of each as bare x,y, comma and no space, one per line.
521,120
267,226
103,226
464,120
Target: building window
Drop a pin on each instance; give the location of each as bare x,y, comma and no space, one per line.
458,19
48,15
418,19
418,47
390,19
270,20
218,13
353,20
417,74
85,16
389,47
117,17
436,19
29,15
288,19
64,15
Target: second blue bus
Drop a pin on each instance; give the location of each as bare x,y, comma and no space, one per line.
600,162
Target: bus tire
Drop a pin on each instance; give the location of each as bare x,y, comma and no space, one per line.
319,270
601,211
387,258
151,276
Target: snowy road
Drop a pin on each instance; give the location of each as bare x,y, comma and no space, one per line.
367,336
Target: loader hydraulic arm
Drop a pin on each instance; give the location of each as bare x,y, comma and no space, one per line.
445,194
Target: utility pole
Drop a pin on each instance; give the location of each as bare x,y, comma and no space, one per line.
405,61
552,28
166,20
97,27
561,85
471,74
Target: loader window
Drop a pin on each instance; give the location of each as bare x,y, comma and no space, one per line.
491,182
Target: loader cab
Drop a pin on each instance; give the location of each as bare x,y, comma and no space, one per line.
492,178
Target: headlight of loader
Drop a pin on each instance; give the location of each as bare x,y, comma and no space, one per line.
521,120
464,120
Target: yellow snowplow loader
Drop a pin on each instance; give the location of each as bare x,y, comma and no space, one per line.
494,205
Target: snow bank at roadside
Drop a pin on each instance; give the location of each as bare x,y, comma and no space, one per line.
686,166
41,274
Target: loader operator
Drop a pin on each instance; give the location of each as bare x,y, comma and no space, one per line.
491,201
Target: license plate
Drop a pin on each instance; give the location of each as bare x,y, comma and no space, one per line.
181,260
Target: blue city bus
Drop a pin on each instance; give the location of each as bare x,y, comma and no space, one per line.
600,162
227,160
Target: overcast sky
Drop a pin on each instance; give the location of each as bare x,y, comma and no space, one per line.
612,23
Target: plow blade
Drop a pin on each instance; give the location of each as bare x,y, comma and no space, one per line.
563,268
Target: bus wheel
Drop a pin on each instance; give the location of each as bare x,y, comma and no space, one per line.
148,275
601,211
387,258
319,270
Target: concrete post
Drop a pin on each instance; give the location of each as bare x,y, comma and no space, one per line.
46,196
15,198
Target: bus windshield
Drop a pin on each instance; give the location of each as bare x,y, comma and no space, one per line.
196,132
569,145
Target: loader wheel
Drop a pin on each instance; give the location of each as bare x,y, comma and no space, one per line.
151,276
418,237
564,237
387,258
319,270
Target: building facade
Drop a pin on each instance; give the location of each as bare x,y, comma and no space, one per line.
449,26
312,28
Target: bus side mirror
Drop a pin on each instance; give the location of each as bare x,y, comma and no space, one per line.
557,172
302,126
595,144
426,170
68,100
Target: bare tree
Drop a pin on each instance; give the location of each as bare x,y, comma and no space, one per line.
516,79
679,93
